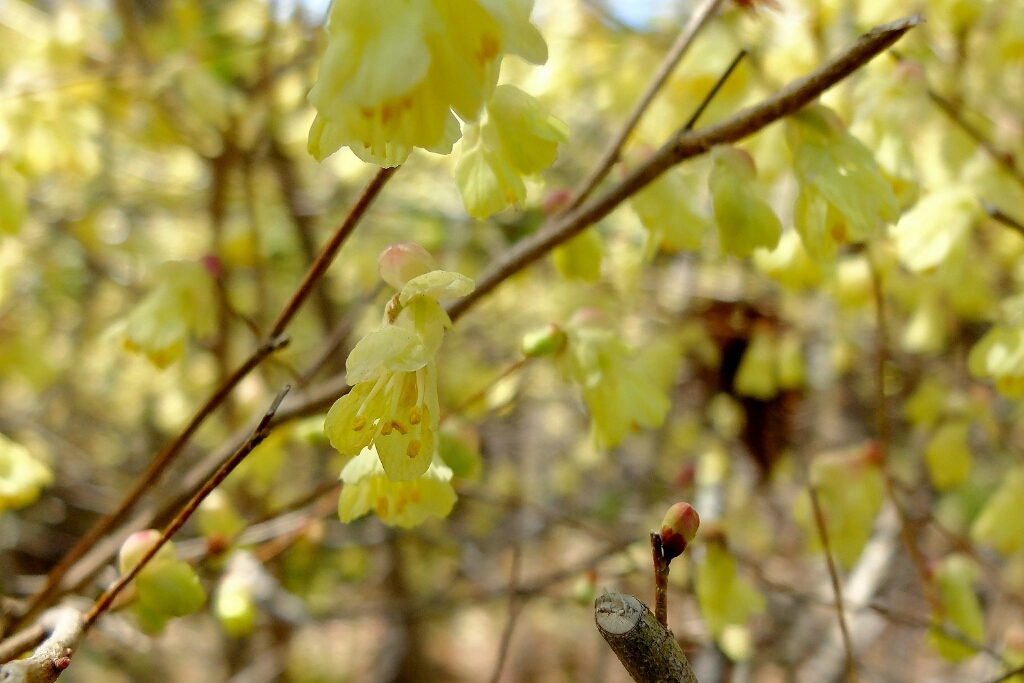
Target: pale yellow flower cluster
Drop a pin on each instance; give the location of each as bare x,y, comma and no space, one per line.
396,73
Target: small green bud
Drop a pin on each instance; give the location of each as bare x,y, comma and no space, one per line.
138,544
217,517
677,529
170,588
235,607
543,342
401,262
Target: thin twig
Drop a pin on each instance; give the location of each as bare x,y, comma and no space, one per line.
515,608
706,102
1008,675
476,396
837,592
59,631
998,215
885,440
276,340
261,432
684,145
610,155
661,569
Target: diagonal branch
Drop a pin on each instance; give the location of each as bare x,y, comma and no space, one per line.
57,633
610,155
685,145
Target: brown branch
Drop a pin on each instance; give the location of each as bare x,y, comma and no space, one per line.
647,650
515,608
290,193
661,569
819,520
59,631
276,340
998,215
1008,675
610,155
685,145
261,432
329,250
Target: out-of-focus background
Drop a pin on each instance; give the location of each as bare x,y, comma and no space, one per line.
137,132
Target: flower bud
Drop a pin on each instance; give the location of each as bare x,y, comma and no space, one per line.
235,607
401,262
137,545
217,517
677,529
545,341
170,588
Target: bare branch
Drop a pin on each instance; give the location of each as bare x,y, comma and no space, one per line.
261,432
61,628
610,155
685,145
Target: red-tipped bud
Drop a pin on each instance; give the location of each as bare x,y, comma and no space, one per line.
677,529
547,340
401,262
212,264
556,201
137,545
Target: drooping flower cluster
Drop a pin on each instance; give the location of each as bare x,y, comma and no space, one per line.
745,221
618,393
393,402
517,137
397,72
182,304
166,587
843,195
396,503
21,475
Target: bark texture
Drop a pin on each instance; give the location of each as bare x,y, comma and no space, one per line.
647,650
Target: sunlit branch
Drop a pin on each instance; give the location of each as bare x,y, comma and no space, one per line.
261,432
685,145
610,155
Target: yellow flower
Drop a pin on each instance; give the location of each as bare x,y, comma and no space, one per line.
397,503
789,263
393,403
182,303
843,195
745,221
518,137
618,394
21,475
395,70
936,227
665,208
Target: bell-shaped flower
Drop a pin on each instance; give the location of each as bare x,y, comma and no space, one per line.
757,375
394,71
745,221
397,503
517,137
21,476
954,580
789,263
726,598
1000,525
182,304
948,455
851,488
843,194
393,402
999,354
166,586
791,368
666,209
926,331
580,257
937,226
618,393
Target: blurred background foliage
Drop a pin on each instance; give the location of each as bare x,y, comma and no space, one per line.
135,132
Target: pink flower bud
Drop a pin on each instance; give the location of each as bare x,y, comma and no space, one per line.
588,317
677,529
212,264
137,545
401,262
556,201
547,340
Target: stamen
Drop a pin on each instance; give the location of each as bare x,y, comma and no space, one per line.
413,450
382,506
358,423
373,392
415,415
400,427
387,428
